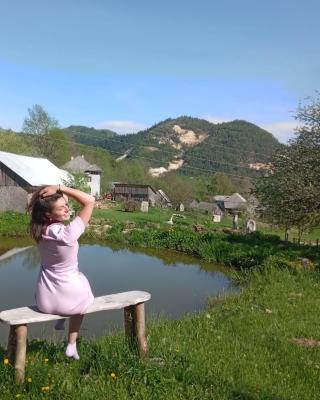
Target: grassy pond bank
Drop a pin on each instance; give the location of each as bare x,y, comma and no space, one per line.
260,344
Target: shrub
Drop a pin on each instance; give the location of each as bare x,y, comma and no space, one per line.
244,259
130,205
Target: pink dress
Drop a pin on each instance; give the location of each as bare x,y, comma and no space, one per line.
61,288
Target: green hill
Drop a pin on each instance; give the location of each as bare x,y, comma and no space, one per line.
90,136
196,144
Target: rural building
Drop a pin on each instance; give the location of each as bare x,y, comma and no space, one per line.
203,206
232,203
221,205
217,213
235,202
126,191
163,199
92,172
21,175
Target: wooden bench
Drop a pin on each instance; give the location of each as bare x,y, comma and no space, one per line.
18,318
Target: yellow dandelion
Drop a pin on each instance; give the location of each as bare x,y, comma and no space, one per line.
29,380
6,361
46,360
113,375
45,388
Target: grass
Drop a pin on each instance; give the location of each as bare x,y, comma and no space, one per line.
161,216
229,248
16,224
307,237
155,215
240,348
13,224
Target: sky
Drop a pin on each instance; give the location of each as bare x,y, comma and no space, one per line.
126,65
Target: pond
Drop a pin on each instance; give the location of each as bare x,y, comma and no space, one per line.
178,283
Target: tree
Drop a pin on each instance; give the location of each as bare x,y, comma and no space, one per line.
221,184
39,124
290,192
179,189
57,146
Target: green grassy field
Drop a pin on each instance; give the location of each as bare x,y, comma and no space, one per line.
241,348
16,224
156,215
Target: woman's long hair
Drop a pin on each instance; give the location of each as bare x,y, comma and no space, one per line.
40,209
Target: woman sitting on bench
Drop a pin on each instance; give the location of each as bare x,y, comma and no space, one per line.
61,289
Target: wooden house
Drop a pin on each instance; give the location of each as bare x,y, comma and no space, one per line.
139,193
21,175
202,206
233,203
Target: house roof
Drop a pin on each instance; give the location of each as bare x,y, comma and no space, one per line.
133,185
80,164
235,201
35,171
193,203
162,193
204,205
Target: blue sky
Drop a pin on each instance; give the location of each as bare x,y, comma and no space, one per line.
126,65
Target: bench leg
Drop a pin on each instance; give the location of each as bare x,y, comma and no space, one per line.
134,323
12,344
17,348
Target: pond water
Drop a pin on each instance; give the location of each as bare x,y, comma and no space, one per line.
178,283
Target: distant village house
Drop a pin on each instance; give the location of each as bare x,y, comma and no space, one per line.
21,175
233,203
92,172
139,193
220,206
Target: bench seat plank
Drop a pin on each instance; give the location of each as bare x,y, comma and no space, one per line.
28,315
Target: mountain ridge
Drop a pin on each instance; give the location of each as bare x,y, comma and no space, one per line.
188,145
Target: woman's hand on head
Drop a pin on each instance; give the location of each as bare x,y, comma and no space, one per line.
48,191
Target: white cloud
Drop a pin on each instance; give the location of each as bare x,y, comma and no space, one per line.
215,119
122,126
282,130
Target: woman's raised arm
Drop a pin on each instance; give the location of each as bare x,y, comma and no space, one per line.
85,199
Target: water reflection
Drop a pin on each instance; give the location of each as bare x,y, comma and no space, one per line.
167,256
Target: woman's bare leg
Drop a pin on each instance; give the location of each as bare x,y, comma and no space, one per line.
74,327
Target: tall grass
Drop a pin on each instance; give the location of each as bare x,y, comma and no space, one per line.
13,224
232,249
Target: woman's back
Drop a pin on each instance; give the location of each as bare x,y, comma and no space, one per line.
58,246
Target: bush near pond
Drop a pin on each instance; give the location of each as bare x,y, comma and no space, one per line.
236,250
